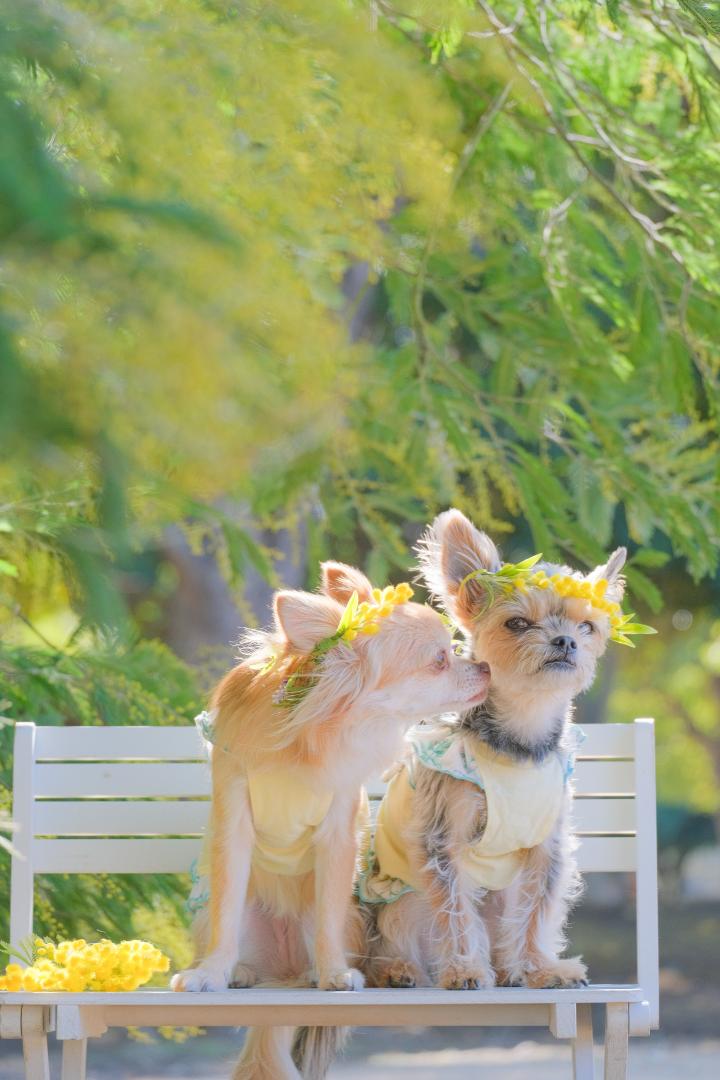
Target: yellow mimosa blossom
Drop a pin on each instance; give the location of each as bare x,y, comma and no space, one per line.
364,618
77,965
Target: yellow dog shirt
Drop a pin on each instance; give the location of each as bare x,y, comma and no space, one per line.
286,811
524,801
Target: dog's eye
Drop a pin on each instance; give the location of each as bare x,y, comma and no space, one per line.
518,623
441,662
588,627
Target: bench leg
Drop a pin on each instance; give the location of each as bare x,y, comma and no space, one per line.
616,1042
34,1044
74,1059
582,1045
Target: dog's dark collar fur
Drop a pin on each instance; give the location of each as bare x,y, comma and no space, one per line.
482,723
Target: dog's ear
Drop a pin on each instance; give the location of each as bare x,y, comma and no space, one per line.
340,581
450,550
306,618
611,572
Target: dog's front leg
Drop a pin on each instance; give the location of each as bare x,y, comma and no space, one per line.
231,839
449,814
458,935
532,926
336,850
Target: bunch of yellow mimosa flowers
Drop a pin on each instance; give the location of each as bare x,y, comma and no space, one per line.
79,965
365,618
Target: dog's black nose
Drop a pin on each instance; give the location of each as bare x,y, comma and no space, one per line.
567,644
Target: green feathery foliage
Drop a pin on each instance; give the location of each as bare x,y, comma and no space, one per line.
369,258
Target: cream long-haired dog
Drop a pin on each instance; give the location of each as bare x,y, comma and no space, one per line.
450,901
287,788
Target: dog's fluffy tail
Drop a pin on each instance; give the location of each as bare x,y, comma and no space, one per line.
266,1055
314,1049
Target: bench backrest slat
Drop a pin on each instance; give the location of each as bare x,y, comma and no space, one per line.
173,855
145,779
184,743
170,817
132,780
115,743
136,800
136,856
133,817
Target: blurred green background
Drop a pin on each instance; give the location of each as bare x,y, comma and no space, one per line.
279,281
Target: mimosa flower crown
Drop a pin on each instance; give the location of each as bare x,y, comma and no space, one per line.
357,618
520,577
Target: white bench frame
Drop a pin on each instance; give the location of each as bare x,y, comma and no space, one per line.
76,790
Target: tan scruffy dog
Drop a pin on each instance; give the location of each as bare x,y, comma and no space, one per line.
474,870
321,704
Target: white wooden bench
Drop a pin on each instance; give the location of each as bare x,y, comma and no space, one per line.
135,800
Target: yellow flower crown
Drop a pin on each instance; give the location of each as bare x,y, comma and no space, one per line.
365,618
521,577
357,618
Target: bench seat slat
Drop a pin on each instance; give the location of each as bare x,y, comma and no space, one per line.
159,998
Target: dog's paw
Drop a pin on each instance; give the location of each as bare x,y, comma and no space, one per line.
456,977
348,979
242,977
199,980
399,974
567,974
511,978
